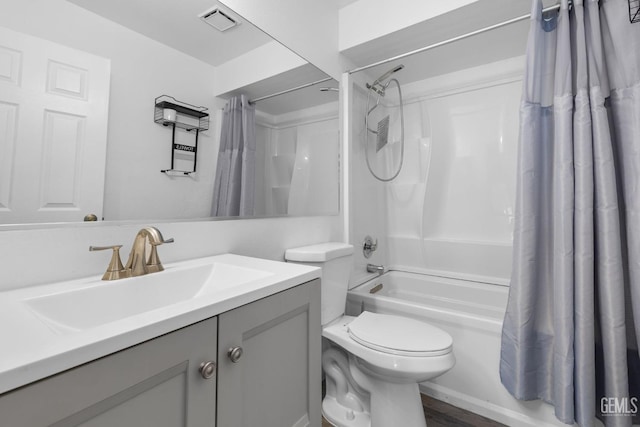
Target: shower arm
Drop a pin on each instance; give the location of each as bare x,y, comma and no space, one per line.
377,85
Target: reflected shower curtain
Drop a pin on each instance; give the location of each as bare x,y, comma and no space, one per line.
234,186
571,331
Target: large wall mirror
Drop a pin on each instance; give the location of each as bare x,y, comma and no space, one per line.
78,81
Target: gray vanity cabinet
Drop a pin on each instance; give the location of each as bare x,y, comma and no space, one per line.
156,383
276,381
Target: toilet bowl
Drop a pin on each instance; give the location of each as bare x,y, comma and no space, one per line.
372,362
416,353
385,364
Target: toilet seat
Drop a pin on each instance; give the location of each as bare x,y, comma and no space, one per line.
399,335
395,367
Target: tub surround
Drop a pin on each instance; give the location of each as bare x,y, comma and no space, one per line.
40,348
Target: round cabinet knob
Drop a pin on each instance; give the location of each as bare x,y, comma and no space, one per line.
207,369
234,354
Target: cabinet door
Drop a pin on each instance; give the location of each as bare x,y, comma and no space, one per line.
277,380
154,384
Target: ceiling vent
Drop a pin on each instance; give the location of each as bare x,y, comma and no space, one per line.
218,19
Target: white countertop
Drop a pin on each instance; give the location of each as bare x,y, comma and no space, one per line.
31,349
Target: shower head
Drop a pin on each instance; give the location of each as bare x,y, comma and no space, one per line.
377,85
329,89
386,75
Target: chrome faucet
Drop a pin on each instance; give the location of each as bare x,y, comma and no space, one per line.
372,268
138,264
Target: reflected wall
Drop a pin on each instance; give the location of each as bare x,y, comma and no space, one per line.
298,162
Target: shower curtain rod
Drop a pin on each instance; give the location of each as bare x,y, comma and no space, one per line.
253,101
454,39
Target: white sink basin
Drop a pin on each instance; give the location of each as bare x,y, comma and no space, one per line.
56,326
100,302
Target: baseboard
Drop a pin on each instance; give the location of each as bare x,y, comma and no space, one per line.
486,409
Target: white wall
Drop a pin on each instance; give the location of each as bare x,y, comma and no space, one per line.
141,70
366,20
273,58
46,254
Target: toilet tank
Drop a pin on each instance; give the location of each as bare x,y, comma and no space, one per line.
335,259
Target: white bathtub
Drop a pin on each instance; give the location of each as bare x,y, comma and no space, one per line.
472,313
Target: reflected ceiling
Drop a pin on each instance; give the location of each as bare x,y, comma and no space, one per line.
292,101
176,24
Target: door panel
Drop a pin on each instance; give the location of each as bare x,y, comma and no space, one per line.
53,130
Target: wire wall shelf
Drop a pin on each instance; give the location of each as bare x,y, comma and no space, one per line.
172,113
634,11
169,112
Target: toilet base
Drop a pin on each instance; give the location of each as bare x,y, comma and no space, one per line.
379,403
341,416
406,411
397,405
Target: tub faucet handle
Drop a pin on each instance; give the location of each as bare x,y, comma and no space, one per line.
369,246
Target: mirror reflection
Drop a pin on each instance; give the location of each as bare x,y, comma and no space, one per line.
77,130
278,152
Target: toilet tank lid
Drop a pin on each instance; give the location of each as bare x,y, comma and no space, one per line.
319,253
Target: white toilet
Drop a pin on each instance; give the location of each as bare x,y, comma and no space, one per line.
373,362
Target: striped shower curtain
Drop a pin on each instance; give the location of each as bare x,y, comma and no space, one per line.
572,327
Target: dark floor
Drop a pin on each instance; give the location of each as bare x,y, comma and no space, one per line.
441,414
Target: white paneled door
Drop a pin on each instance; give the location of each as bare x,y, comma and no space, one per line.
53,130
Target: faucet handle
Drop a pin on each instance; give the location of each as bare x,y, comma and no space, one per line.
115,270
154,265
369,246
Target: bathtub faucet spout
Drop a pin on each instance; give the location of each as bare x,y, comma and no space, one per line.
372,268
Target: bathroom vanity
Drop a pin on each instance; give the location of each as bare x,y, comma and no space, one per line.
249,355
